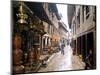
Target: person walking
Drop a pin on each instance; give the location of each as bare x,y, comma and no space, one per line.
62,48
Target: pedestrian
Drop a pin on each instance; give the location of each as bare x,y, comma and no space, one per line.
62,48
59,46
89,60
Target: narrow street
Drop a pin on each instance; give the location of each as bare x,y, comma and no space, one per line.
53,37
62,62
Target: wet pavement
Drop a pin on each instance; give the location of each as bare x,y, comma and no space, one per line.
62,62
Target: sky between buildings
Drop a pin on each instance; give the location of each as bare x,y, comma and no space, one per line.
62,9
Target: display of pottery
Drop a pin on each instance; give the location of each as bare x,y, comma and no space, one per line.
17,55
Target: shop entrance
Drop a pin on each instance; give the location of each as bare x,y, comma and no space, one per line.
79,45
90,43
84,47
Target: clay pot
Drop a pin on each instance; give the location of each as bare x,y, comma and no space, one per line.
30,56
17,41
17,56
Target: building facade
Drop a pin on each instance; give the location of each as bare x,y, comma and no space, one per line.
52,35
83,25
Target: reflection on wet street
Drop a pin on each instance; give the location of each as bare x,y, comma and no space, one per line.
62,62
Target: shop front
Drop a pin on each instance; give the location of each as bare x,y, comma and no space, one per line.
28,31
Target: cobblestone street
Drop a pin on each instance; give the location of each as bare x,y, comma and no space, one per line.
64,62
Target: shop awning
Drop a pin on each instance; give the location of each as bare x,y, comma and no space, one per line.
38,9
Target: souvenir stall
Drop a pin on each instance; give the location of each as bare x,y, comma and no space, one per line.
27,40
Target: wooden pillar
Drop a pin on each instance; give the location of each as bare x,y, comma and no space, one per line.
76,47
86,45
94,53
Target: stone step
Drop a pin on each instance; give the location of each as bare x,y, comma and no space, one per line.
46,62
51,57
